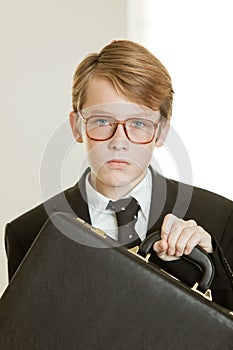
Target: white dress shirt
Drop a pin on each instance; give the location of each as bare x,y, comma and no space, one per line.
105,219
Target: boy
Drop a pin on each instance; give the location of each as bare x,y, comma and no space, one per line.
122,104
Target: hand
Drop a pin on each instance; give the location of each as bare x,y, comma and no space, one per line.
179,237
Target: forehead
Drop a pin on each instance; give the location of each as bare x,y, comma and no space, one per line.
121,109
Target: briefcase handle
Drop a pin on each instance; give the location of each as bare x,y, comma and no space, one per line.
197,256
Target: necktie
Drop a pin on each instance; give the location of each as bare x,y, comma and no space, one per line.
126,214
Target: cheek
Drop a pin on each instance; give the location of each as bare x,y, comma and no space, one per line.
95,152
142,155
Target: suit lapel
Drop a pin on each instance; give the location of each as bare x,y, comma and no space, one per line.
163,197
168,196
74,200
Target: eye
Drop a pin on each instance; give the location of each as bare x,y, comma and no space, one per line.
137,123
100,121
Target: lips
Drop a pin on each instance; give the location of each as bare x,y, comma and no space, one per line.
118,164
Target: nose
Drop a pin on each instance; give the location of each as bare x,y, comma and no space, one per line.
119,140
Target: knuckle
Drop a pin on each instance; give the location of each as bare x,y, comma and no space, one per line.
168,217
190,246
179,247
186,231
171,241
192,222
202,231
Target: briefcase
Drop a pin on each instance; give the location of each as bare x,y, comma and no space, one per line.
77,289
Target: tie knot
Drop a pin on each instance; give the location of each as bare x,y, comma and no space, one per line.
126,204
126,210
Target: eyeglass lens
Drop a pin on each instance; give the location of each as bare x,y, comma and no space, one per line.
137,129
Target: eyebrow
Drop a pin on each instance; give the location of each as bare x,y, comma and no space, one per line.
134,113
143,113
100,111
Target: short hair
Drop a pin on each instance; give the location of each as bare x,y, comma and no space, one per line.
133,70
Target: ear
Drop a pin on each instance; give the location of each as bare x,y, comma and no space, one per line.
162,133
74,127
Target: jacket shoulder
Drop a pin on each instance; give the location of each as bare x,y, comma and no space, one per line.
26,226
210,210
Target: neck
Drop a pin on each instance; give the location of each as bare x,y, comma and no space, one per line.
116,192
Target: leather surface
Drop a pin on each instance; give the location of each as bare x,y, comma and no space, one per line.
71,295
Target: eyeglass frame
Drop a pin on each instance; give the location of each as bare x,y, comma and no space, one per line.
156,125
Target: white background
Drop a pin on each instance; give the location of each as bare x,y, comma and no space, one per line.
194,41
42,43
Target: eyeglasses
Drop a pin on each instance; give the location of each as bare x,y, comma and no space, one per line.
101,128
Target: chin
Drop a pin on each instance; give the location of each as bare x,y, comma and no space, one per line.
118,180
123,181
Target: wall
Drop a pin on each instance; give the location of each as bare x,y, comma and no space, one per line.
193,40
41,44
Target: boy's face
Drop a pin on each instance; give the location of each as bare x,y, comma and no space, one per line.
117,164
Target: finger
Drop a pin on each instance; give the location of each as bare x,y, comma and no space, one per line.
160,246
201,238
160,249
187,239
167,225
192,243
180,234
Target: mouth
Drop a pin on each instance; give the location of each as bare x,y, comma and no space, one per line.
117,164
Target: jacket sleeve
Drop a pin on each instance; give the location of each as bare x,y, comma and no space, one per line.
226,241
20,234
222,285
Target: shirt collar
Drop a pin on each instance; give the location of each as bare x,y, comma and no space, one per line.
95,199
141,193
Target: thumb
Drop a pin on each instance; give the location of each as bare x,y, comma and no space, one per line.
160,246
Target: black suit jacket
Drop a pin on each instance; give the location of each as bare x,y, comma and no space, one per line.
214,213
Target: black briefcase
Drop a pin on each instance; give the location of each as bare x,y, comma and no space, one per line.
77,289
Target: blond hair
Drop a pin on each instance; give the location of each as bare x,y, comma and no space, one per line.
133,70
